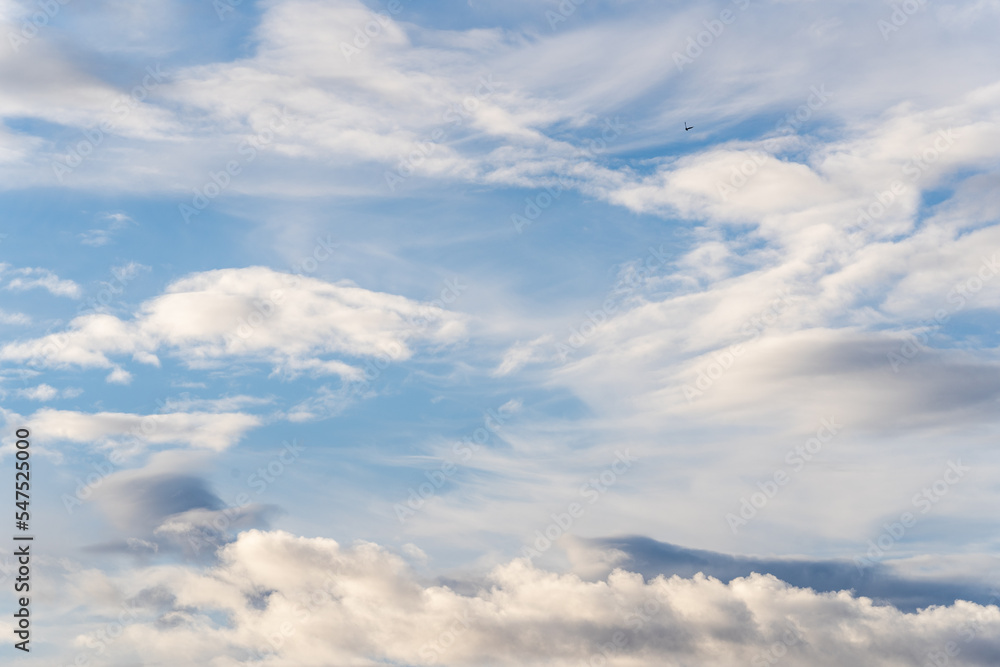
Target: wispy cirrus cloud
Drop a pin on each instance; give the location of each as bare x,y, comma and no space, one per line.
23,279
101,236
14,318
45,392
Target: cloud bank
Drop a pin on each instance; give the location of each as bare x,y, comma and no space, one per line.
310,602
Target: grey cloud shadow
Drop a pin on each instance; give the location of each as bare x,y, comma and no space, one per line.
171,513
652,558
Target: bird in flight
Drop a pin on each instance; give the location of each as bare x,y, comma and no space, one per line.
686,128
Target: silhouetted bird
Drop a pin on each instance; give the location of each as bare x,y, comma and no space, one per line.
686,128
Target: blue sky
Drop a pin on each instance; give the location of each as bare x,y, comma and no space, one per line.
457,316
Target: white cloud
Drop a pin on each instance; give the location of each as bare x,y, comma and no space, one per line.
119,376
854,299
13,318
827,181
128,271
308,601
381,103
102,235
789,231
16,148
42,392
521,354
94,237
134,432
326,402
873,378
185,403
9,10
254,313
30,278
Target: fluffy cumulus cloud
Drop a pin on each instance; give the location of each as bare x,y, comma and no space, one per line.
276,599
294,323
